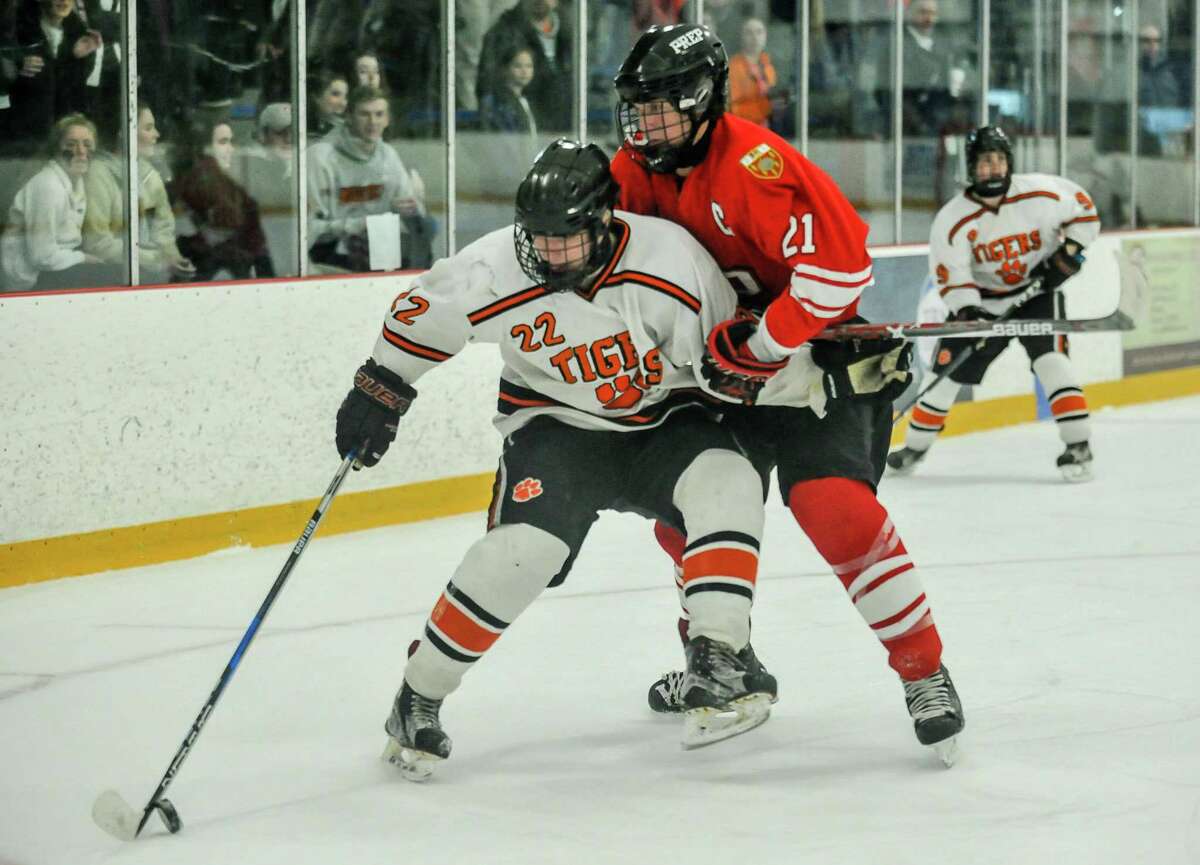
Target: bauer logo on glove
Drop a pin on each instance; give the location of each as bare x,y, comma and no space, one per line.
371,412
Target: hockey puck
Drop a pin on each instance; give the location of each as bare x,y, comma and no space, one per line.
170,816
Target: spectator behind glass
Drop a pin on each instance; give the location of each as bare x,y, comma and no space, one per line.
505,108
55,31
159,259
354,174
42,244
537,26
752,76
1157,84
935,75
327,109
15,63
219,226
265,172
367,72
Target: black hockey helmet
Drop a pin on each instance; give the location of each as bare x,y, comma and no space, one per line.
988,139
569,190
685,65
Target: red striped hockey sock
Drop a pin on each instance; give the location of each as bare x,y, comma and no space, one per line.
852,531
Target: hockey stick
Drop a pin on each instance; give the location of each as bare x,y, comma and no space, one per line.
110,811
1132,284
1132,281
969,352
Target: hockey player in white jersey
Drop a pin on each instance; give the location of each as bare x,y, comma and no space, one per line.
987,245
601,319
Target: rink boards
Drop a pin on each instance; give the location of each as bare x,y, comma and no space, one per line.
152,424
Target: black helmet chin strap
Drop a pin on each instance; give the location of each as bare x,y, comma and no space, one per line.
993,186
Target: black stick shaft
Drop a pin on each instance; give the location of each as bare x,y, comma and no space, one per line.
247,638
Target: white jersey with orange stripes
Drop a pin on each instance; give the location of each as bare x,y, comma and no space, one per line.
621,355
981,255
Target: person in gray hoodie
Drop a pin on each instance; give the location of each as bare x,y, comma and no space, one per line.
354,174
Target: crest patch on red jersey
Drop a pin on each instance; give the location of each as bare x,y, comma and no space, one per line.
530,488
764,162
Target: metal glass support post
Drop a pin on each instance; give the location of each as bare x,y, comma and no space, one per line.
129,101
897,119
299,40
450,101
1195,112
804,41
985,59
579,58
1064,10
1133,114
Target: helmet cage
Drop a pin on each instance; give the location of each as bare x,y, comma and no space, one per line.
568,192
988,139
696,90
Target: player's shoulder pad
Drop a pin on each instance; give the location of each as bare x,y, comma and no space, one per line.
958,209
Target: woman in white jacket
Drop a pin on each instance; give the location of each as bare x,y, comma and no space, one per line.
42,244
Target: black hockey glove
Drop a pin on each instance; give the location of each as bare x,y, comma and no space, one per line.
972,313
1060,266
863,368
370,413
730,368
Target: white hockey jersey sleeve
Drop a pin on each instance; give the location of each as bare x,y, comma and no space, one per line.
1080,222
427,324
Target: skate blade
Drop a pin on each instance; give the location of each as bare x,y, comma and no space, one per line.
947,751
1077,474
414,765
706,726
115,816
903,471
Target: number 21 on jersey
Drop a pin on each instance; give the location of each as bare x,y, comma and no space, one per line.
807,246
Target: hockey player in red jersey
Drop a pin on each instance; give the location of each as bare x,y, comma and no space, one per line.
795,250
988,244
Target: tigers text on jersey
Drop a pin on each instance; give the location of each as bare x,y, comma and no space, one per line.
619,356
777,224
981,255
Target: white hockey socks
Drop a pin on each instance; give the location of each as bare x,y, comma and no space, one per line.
499,577
1067,403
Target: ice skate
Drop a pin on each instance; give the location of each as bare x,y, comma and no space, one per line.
666,695
416,741
904,461
725,693
1075,463
937,713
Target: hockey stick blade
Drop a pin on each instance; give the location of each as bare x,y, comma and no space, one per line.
118,818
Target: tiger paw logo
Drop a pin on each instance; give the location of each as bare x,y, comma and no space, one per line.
1012,271
944,357
530,488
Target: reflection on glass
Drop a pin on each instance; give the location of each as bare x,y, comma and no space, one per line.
1165,183
1024,81
1099,93
850,97
525,97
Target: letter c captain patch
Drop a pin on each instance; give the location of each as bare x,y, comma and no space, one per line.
764,162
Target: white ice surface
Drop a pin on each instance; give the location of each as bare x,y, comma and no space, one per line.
1069,614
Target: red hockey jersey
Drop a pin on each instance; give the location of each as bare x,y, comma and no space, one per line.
778,225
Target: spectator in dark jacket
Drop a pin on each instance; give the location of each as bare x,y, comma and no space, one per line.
505,108
219,222
537,26
54,30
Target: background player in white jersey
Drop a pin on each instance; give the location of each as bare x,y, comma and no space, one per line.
601,320
987,245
